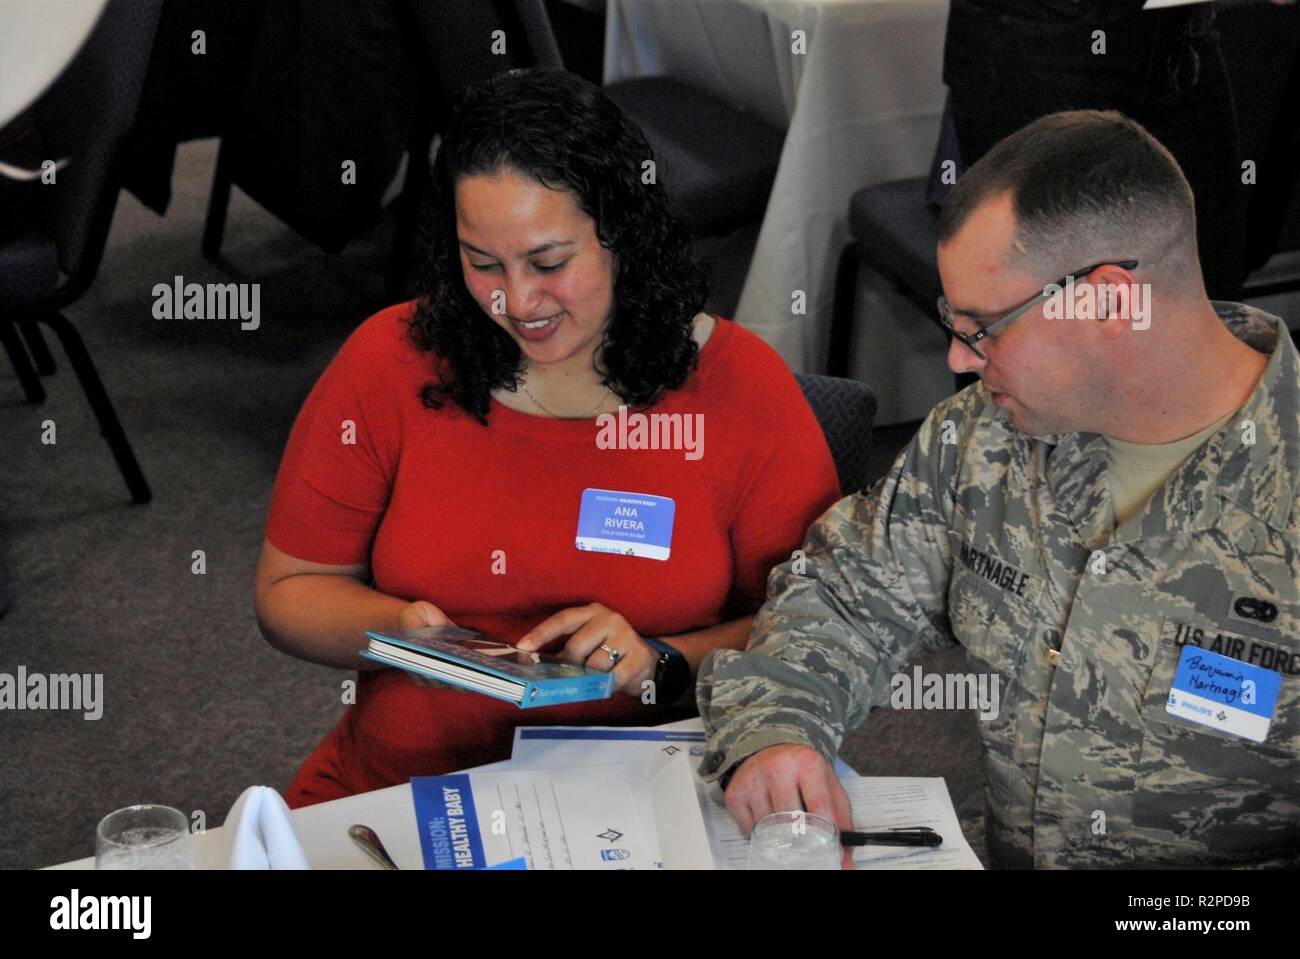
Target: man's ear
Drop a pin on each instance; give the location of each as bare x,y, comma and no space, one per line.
1121,302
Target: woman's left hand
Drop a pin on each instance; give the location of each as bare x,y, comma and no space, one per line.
588,627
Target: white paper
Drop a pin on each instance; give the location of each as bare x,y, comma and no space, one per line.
552,818
660,766
879,803
892,802
1157,4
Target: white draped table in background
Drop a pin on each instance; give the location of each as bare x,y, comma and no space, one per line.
861,106
38,38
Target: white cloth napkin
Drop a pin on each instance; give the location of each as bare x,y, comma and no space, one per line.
259,833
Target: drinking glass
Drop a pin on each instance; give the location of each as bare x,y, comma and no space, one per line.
144,837
794,840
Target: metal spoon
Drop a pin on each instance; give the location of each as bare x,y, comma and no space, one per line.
368,840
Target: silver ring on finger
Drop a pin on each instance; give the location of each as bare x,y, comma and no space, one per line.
614,654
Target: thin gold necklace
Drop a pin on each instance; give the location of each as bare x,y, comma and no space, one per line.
557,416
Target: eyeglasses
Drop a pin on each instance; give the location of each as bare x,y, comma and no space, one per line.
1002,322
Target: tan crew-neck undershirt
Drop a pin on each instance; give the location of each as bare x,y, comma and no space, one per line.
1137,470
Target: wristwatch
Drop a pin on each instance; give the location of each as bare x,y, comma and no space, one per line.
672,672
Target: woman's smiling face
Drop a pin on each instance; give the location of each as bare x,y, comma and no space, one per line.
532,262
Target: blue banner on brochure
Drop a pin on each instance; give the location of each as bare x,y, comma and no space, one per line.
577,818
448,821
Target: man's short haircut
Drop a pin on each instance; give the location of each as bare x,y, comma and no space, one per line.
1087,186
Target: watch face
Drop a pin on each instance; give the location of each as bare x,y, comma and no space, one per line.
672,674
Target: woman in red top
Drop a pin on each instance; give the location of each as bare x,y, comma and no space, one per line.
439,469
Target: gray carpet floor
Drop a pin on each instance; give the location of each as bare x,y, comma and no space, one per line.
196,705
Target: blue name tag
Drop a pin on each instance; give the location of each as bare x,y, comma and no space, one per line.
1224,693
630,524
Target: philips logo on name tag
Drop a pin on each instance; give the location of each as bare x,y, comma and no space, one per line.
1223,693
630,524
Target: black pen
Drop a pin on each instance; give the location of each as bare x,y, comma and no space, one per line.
911,836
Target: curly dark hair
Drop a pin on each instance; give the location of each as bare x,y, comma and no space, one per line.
564,132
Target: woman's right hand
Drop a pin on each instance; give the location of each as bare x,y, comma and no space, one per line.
417,614
421,613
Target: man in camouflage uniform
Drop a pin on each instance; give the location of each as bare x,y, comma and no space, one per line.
997,527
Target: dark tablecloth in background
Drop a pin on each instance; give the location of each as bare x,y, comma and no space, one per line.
294,88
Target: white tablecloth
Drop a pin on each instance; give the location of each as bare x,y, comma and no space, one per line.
38,38
861,106
323,828
323,831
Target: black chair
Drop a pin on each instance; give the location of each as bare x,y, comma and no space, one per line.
83,117
1261,48
311,78
448,45
716,162
845,409
895,228
896,225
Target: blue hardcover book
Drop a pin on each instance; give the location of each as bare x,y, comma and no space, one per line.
473,661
